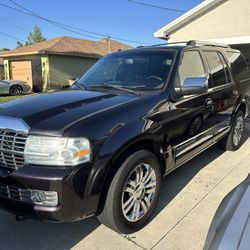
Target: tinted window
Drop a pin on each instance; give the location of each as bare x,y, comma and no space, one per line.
191,66
142,71
226,68
216,68
238,66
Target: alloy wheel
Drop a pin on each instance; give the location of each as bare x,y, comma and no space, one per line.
138,192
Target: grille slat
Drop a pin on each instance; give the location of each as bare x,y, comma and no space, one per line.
12,149
15,193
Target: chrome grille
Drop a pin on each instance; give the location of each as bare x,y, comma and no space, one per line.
12,145
15,193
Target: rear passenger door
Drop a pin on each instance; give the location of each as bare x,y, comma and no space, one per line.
223,91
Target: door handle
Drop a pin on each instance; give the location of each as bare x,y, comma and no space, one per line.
235,92
209,102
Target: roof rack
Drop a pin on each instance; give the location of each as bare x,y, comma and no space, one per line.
204,43
173,43
192,43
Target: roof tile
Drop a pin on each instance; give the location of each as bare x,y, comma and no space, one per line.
70,46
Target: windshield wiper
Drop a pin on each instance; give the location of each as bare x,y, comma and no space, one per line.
80,86
110,86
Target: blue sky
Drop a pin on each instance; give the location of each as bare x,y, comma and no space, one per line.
118,18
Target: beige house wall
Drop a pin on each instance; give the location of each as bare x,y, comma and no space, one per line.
230,19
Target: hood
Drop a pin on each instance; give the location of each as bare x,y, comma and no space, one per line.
51,113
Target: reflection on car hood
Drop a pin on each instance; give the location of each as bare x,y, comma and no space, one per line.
52,112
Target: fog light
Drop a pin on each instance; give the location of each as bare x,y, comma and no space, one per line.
44,198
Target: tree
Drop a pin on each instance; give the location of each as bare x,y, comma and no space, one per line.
19,45
4,49
35,36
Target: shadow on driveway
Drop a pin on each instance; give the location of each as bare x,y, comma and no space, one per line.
31,234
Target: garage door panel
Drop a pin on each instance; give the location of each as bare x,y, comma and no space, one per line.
21,70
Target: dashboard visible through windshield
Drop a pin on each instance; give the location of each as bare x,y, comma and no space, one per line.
144,71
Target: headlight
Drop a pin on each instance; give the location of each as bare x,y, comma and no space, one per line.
43,150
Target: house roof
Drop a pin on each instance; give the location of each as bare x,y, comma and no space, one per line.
69,46
188,17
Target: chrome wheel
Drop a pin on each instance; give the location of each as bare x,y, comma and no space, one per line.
238,131
138,192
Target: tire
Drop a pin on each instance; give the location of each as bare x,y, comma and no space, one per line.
234,139
127,194
15,90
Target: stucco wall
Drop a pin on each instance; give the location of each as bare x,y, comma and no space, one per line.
231,19
61,68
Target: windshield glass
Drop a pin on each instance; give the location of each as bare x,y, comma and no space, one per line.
139,71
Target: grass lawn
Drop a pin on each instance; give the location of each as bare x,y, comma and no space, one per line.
9,98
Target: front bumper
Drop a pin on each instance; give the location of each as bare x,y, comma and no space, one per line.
69,183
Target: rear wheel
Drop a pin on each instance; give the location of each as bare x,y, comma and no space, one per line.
133,193
15,90
234,139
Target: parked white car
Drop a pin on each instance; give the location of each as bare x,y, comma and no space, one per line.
13,87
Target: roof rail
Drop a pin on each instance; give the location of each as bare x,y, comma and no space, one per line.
162,44
197,43
166,44
189,43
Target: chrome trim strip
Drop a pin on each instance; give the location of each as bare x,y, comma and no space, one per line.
15,124
201,140
220,87
205,148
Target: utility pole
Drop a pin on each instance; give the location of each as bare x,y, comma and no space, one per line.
109,45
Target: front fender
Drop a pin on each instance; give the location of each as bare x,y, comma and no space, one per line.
125,136
121,138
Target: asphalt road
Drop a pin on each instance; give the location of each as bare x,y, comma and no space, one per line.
188,201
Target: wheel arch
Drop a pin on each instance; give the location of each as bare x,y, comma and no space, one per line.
122,154
243,107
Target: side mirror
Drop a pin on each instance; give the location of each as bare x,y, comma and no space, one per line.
193,86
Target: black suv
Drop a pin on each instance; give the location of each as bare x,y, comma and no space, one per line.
102,146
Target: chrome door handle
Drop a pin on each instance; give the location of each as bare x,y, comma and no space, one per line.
209,102
235,92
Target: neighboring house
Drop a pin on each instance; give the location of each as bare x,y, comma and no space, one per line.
222,21
1,69
49,65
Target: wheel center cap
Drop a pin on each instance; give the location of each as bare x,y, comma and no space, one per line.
139,190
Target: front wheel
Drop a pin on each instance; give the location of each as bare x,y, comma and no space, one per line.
234,139
133,193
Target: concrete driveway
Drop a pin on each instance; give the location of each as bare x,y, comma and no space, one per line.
188,201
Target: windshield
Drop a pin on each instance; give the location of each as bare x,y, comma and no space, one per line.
144,71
